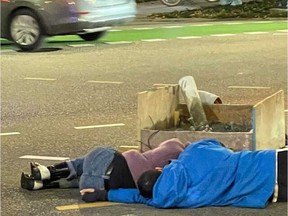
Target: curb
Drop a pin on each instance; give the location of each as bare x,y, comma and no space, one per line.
151,21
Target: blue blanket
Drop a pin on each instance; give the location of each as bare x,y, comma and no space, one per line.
207,174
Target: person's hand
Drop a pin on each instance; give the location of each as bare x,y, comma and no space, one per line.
93,195
159,168
87,190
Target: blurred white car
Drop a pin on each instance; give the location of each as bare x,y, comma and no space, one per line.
28,22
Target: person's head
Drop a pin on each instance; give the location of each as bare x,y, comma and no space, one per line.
147,181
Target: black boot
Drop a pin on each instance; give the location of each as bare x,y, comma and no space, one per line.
29,183
55,172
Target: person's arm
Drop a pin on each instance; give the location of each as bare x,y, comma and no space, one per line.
164,153
126,196
93,195
171,188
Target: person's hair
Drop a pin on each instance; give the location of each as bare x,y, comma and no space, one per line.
147,181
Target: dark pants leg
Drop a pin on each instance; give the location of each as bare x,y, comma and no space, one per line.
282,176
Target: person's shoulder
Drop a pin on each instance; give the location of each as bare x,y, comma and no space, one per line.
174,142
131,153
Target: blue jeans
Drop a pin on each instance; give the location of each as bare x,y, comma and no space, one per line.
91,168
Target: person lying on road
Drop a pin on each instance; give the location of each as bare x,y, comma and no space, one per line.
208,174
101,169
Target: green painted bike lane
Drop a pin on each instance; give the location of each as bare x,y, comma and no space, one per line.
167,32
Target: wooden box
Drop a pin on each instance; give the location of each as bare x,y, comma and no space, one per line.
156,117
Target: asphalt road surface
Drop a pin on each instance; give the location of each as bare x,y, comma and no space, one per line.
49,100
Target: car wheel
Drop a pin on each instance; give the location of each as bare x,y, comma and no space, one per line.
92,36
25,30
171,3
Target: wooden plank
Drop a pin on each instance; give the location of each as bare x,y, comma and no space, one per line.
229,113
268,119
156,107
225,113
234,140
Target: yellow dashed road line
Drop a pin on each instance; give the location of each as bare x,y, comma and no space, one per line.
86,205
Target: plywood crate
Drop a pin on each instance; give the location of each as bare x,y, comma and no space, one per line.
156,118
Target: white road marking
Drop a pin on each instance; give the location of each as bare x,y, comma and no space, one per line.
104,82
81,45
283,30
232,23
249,87
262,22
115,30
7,51
143,28
171,27
207,24
189,37
38,157
9,134
38,78
154,40
119,42
99,126
222,35
164,84
253,33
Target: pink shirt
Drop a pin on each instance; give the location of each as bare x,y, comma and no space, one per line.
158,157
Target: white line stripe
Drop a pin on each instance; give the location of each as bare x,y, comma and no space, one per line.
285,110
171,27
9,134
119,42
232,23
249,87
38,157
81,45
261,22
104,82
283,30
7,51
154,40
202,25
35,78
222,35
253,33
115,30
282,21
99,126
189,37
144,28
